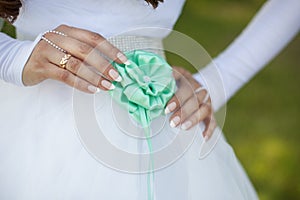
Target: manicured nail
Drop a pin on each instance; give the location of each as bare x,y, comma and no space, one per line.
127,62
107,85
115,75
123,58
206,138
170,108
186,125
175,121
93,89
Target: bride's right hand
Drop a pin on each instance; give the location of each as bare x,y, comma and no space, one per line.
86,69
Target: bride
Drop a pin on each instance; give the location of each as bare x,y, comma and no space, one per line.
49,148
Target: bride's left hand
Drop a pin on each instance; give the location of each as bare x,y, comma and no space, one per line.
190,106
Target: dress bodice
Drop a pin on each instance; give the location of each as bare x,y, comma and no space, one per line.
109,18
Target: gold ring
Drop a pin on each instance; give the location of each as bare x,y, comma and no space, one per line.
64,60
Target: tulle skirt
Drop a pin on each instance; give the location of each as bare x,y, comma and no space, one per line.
43,154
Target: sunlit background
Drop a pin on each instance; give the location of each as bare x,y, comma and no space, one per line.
263,118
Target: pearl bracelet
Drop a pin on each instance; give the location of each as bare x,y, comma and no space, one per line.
55,32
53,44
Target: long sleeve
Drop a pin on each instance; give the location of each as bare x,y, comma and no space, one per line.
273,27
13,57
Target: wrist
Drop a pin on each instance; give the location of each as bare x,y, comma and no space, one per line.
19,60
211,79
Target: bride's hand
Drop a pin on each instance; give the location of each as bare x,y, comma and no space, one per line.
189,105
87,68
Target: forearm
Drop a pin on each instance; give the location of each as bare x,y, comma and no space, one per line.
268,33
13,57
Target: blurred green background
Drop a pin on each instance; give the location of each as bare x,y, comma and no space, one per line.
263,118
262,121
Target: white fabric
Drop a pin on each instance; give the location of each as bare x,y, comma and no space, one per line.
108,18
40,152
14,55
268,33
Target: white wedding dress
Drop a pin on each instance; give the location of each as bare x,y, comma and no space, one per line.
41,152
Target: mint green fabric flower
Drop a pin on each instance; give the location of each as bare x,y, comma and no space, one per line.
147,86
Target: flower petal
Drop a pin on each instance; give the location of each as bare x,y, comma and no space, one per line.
146,87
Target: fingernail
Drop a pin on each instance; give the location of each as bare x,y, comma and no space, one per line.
93,89
127,62
170,108
206,138
115,75
186,125
123,58
107,85
174,122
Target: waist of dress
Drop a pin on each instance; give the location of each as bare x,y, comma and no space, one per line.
128,43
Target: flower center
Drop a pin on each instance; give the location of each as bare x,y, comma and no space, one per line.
147,79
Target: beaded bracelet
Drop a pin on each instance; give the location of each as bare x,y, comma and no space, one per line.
55,32
52,43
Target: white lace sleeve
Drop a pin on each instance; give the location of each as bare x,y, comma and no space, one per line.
273,27
13,57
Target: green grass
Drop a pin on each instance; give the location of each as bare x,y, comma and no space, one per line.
262,122
8,29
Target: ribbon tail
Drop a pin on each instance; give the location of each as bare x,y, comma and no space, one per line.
150,176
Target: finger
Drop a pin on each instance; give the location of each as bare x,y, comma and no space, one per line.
87,54
174,102
184,91
95,40
181,72
80,69
177,72
185,111
202,113
210,126
59,74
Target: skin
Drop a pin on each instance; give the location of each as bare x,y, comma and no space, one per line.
189,108
88,71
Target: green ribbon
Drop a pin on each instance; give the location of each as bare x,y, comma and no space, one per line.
147,86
